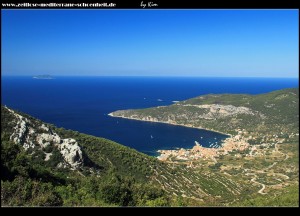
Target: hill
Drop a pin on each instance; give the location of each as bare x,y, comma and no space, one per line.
45,165
269,117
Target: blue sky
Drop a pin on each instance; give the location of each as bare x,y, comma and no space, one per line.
218,43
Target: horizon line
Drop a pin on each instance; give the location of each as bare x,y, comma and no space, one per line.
162,76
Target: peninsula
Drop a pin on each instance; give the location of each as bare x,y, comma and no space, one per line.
253,119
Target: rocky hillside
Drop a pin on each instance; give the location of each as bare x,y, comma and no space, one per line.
32,135
64,167
270,117
71,149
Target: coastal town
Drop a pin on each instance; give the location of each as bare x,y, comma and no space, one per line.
238,144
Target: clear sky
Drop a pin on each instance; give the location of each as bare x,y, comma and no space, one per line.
249,43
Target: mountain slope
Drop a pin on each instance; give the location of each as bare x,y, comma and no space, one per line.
63,167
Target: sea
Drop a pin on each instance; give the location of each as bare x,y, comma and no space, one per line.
83,104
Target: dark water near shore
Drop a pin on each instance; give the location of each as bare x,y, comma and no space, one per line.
82,104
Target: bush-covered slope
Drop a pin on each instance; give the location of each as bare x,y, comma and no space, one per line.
111,174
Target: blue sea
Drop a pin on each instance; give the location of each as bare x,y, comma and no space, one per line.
82,104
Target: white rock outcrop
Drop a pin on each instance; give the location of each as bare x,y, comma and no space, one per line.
71,152
25,134
45,139
20,130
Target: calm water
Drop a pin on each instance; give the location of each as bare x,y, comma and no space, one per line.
82,104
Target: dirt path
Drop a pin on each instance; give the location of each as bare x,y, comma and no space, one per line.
263,186
262,189
282,175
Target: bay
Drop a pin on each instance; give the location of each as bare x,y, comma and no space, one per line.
82,104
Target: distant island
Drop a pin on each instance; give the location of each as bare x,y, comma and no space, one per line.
45,76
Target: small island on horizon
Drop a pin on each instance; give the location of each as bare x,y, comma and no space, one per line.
44,76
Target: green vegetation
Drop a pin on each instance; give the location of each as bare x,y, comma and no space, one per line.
113,175
288,197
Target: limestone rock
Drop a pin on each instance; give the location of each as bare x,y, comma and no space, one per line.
25,133
71,152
